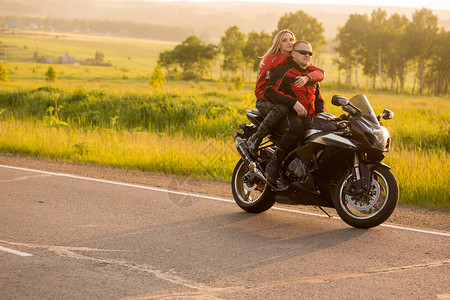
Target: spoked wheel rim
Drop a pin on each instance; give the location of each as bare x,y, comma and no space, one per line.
368,203
249,188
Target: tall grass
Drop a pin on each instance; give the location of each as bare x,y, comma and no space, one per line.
422,175
190,133
419,123
208,114
177,154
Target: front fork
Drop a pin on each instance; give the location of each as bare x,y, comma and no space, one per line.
361,177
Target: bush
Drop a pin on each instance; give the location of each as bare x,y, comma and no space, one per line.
157,79
50,75
4,72
238,82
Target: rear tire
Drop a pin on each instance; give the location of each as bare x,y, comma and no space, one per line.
251,195
368,209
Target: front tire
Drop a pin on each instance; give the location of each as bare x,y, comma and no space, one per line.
250,192
369,208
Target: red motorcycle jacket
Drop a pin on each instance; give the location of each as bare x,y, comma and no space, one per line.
281,88
270,62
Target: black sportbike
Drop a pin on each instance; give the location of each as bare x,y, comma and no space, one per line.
337,164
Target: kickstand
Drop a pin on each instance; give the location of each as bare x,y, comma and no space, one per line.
321,208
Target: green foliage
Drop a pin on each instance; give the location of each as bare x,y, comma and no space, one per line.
4,72
387,46
191,55
50,75
255,47
439,73
157,79
304,26
98,60
209,115
37,57
238,82
232,45
190,134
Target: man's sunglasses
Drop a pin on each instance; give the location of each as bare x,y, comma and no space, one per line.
304,52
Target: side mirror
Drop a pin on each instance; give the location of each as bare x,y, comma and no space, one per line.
386,115
339,100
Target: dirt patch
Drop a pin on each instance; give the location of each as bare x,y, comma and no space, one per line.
403,216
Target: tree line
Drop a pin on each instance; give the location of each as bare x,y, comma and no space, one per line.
385,48
103,27
388,48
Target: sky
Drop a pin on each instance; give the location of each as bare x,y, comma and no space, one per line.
432,4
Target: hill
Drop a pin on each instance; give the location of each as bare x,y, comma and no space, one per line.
207,20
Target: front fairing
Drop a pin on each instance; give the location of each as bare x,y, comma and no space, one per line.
372,132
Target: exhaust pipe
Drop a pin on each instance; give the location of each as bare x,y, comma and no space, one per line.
241,146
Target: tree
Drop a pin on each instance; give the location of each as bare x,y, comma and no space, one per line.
256,46
351,39
4,72
192,56
157,79
238,82
232,45
99,56
168,60
375,45
440,67
421,33
396,54
50,75
304,27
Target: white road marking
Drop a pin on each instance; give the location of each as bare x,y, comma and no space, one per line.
208,197
14,252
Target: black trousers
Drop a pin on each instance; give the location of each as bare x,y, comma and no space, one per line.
272,112
287,120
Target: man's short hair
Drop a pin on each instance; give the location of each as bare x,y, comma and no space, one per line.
301,42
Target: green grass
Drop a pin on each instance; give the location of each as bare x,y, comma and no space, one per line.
130,54
171,154
110,116
422,175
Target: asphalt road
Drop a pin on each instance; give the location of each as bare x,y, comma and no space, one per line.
68,237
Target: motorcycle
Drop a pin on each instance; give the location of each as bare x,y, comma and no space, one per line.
337,164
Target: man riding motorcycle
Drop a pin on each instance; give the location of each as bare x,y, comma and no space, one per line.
302,103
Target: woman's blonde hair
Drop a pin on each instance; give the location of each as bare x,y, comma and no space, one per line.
276,44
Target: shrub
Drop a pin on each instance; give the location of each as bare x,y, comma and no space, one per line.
157,79
238,82
50,75
4,72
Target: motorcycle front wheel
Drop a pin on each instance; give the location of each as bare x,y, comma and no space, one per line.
368,208
250,192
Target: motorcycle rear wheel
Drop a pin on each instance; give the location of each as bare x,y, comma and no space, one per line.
370,208
252,196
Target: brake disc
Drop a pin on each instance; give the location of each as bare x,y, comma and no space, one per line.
366,199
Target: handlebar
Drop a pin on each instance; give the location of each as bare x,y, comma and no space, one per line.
334,119
342,117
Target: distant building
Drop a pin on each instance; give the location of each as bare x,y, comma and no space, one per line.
50,61
67,60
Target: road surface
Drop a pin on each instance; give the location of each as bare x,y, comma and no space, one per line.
71,237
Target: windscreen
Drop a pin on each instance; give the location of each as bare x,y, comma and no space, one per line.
361,102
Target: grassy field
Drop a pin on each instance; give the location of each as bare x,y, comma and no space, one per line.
110,116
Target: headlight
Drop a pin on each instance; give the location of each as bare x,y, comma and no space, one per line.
382,136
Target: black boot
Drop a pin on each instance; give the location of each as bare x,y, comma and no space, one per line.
273,167
255,140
